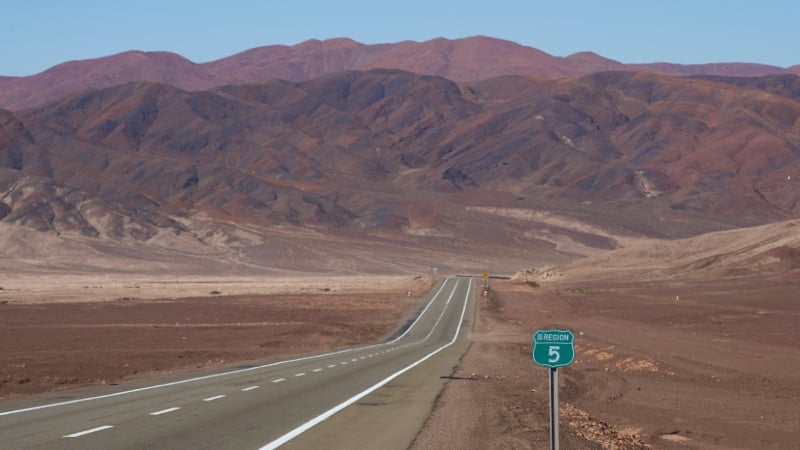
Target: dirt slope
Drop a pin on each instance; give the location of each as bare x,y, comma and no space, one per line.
770,250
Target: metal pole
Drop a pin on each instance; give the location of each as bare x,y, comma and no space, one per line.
554,408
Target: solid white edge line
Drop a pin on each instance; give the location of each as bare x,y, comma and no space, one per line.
327,414
165,411
216,397
233,372
93,430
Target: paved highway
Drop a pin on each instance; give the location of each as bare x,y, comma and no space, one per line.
266,406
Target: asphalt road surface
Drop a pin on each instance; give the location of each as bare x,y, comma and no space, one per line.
373,396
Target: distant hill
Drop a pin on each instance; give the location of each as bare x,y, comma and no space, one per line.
771,250
461,60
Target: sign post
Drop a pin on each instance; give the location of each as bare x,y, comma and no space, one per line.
554,408
553,349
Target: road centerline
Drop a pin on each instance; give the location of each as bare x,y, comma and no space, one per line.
93,430
165,411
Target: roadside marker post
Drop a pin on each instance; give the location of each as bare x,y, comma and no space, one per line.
553,349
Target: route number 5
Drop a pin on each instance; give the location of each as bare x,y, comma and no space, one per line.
553,348
553,353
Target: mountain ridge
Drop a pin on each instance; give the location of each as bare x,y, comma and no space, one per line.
714,146
462,60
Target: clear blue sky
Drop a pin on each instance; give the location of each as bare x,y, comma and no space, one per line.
37,34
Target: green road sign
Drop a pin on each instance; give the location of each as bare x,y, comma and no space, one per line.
553,348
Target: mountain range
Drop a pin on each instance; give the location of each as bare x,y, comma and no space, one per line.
325,168
461,60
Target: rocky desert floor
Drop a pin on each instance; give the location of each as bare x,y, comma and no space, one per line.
666,365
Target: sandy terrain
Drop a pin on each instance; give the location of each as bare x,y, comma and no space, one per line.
56,288
61,332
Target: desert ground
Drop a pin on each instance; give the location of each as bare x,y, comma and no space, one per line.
679,344
60,332
703,364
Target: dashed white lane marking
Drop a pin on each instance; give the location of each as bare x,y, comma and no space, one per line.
301,374
354,360
223,374
344,363
250,388
317,370
211,399
279,380
164,411
363,357
331,366
93,430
